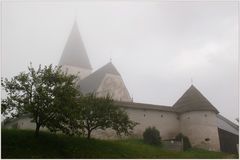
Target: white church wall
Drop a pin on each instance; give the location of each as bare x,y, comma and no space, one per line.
114,85
166,122
23,123
80,72
201,129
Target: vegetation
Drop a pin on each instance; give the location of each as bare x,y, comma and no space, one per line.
46,95
94,113
23,144
51,98
152,136
185,140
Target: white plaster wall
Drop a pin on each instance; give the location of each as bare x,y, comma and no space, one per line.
114,85
199,125
80,72
105,134
24,123
166,122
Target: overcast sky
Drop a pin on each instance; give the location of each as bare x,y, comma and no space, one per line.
156,46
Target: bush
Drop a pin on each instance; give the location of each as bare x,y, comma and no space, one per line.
152,136
186,142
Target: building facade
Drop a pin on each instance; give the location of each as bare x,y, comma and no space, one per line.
192,114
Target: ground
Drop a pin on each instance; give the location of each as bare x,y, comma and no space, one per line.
23,144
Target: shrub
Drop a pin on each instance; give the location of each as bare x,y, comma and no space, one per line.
152,136
185,140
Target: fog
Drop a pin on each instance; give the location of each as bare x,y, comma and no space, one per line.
160,48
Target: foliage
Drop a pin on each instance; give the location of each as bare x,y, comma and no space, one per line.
94,113
152,136
22,144
46,94
185,140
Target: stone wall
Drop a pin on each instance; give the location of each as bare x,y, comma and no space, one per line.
201,129
22,123
199,126
166,122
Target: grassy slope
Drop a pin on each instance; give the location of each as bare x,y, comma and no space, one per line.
22,144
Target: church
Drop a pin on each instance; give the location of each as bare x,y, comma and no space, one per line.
192,114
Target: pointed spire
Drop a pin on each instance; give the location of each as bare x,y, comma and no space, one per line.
193,100
74,53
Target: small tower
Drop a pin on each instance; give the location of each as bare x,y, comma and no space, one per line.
74,58
198,119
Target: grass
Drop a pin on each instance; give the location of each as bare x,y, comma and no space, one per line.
23,144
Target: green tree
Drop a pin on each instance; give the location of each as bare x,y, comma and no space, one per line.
94,113
152,136
46,94
184,139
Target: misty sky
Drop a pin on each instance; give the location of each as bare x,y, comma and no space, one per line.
156,46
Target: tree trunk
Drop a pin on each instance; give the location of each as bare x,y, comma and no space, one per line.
89,134
37,130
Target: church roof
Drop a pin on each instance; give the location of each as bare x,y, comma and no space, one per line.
93,81
227,121
193,100
74,53
144,106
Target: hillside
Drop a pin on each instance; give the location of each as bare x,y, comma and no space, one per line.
23,144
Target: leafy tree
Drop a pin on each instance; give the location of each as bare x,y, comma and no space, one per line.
152,136
46,94
94,113
184,139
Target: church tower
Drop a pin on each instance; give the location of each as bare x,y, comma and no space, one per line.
74,58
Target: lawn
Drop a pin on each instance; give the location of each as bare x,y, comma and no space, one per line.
23,144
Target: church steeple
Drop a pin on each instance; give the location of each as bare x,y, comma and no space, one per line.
74,57
74,53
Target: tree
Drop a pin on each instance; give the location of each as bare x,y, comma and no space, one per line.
152,136
184,139
94,113
46,94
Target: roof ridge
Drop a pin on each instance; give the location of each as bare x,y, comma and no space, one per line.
228,121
